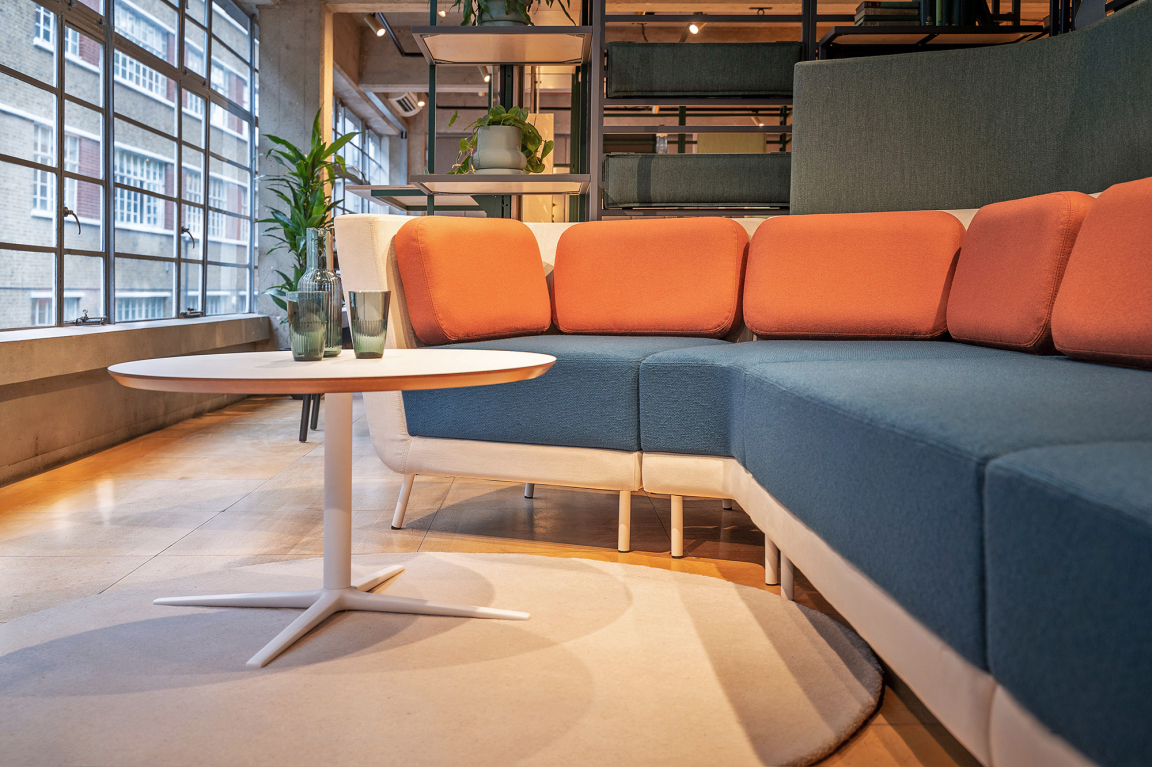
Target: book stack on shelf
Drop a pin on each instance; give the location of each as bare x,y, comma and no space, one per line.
877,13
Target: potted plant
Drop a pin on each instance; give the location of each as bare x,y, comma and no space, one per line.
503,13
501,141
306,203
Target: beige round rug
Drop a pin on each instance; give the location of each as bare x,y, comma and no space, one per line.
620,664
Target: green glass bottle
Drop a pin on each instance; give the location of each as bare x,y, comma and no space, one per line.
319,275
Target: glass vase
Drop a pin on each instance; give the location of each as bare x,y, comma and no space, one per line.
318,276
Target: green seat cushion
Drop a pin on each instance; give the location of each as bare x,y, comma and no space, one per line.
702,69
649,180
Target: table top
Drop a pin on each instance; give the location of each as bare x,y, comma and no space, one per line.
278,373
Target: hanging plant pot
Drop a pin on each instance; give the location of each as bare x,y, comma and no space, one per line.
498,150
503,13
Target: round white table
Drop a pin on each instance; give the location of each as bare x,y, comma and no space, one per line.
337,378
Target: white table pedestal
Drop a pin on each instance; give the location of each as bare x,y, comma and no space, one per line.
339,592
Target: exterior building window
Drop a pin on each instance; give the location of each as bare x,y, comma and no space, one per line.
71,165
42,311
217,198
45,32
142,173
141,30
71,42
130,308
146,79
42,181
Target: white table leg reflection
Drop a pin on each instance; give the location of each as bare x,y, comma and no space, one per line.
339,592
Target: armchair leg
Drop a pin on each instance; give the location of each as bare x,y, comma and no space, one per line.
402,501
624,542
726,503
787,578
677,526
529,489
771,562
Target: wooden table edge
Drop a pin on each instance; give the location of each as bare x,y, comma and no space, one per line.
182,384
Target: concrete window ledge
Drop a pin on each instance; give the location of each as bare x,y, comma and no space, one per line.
58,402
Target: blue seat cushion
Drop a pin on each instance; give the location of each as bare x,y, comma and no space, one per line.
590,397
885,460
691,399
1068,538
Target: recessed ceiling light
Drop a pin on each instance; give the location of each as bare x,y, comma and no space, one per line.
420,103
441,14
693,28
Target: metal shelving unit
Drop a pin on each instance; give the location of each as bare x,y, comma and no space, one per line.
503,184
854,41
412,199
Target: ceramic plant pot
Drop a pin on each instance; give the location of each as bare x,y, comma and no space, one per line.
498,150
504,13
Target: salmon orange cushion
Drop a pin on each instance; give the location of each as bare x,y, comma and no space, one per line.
470,279
851,275
671,277
1103,311
1010,266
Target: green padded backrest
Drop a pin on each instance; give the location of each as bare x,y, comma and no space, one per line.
964,128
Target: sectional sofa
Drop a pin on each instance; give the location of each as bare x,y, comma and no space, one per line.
947,430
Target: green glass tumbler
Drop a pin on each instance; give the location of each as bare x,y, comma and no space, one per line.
308,324
368,318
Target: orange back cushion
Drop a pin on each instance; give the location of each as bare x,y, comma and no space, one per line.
1010,266
671,277
851,275
468,279
1103,311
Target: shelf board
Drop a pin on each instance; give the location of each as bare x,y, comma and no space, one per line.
411,199
476,183
924,37
686,129
485,46
696,101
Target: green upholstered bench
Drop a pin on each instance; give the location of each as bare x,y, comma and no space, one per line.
710,180
701,69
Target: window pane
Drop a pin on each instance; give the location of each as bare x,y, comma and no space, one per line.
83,67
151,24
229,228
28,39
229,76
230,136
83,286
195,53
192,182
27,289
190,287
96,5
194,220
193,118
32,212
145,225
83,141
144,289
157,149
28,121
227,290
196,9
233,33
86,200
144,94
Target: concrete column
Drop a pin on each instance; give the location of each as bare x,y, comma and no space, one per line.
295,82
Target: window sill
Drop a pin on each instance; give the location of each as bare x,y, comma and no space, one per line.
37,353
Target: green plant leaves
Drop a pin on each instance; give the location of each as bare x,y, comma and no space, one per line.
305,204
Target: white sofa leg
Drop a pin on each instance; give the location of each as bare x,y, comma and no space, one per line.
529,489
726,503
771,562
677,526
402,501
624,541
787,578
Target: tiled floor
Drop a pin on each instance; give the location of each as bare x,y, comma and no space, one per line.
235,487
